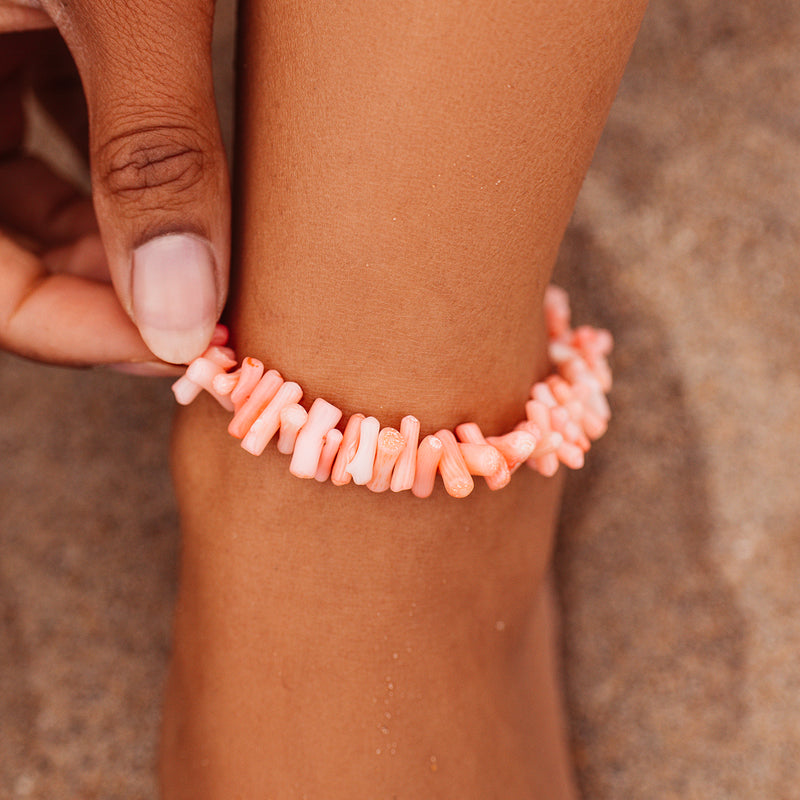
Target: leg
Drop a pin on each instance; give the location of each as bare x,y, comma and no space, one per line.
405,179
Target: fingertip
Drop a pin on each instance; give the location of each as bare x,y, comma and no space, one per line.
177,347
174,295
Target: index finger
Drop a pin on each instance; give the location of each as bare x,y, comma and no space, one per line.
18,17
62,319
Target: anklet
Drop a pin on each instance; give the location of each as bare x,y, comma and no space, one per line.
566,412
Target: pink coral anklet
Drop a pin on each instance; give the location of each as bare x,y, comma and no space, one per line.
565,413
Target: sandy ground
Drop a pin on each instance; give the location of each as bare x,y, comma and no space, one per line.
680,544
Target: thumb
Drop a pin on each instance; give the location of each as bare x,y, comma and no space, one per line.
159,175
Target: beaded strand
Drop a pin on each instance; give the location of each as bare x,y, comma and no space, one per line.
566,412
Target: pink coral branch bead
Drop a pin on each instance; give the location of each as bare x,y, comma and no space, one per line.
266,425
605,341
390,445
249,375
561,422
545,443
223,357
202,372
570,455
470,432
322,416
550,445
593,425
452,467
602,372
515,446
185,390
547,464
429,453
576,370
360,468
220,336
560,352
539,414
594,343
580,415
481,459
592,420
347,450
585,339
562,391
556,310
292,417
541,392
592,397
403,473
225,382
333,438
247,413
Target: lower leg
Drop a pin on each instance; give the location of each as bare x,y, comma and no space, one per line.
404,185
334,646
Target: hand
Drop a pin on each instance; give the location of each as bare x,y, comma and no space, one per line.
159,182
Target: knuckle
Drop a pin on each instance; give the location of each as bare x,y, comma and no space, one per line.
151,164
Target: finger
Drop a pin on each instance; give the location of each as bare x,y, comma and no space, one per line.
61,319
15,17
37,202
34,200
14,50
84,257
57,86
159,175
